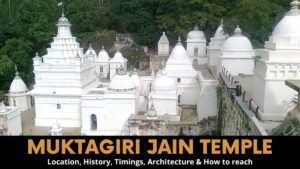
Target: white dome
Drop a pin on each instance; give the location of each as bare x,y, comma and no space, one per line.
118,57
237,42
289,26
103,55
164,82
17,85
63,21
90,50
196,35
122,83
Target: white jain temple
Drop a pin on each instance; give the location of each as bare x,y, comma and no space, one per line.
96,92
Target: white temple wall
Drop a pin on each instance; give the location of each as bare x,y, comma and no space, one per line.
165,104
163,49
270,93
274,100
207,99
22,101
188,95
213,56
112,116
239,65
48,111
145,85
201,49
187,87
142,104
14,123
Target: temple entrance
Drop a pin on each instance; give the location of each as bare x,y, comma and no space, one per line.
93,122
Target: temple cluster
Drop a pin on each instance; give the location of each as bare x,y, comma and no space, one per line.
98,94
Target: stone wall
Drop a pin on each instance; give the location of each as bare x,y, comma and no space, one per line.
235,116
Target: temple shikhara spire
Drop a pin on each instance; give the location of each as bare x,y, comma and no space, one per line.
295,11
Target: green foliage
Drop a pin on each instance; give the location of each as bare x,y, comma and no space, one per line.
27,26
6,73
257,19
19,52
133,55
2,94
219,91
105,38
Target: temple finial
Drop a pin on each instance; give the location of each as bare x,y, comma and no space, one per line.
295,4
238,31
294,8
37,55
16,70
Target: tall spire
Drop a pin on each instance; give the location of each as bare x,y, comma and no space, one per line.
196,27
294,8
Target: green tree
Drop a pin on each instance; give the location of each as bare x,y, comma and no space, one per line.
256,18
6,73
19,52
37,22
133,55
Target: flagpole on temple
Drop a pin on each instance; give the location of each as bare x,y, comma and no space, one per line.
61,4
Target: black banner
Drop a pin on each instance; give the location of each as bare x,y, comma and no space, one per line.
149,152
